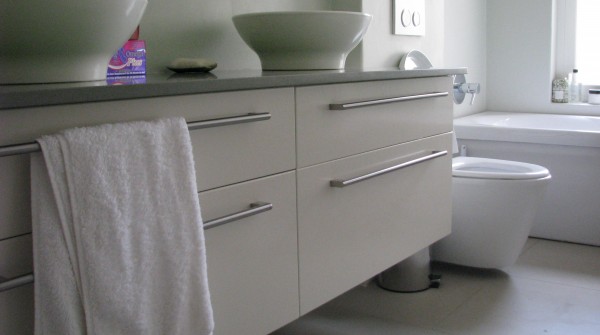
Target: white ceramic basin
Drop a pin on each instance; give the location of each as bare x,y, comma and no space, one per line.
44,41
302,40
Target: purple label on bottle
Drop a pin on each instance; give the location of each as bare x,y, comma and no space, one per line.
129,60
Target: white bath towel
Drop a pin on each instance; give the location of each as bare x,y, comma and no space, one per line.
118,237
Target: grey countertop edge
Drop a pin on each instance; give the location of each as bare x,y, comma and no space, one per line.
21,96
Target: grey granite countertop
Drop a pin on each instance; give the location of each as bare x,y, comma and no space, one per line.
20,96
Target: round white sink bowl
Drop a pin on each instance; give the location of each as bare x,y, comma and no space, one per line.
45,41
302,40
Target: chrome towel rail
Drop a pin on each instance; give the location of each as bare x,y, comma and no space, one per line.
27,148
19,149
9,284
358,104
255,208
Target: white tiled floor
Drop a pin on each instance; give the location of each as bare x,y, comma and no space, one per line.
553,289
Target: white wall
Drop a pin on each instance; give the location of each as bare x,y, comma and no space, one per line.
519,54
520,64
203,28
455,37
465,46
381,48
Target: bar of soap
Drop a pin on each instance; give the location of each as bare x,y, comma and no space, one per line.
180,65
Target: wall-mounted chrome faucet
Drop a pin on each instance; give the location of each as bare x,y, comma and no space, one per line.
462,88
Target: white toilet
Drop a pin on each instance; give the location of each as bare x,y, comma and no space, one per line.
494,203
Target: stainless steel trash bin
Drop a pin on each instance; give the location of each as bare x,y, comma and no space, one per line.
411,275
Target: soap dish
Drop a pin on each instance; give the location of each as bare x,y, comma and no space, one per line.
186,65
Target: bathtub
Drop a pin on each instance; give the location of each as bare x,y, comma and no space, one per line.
568,145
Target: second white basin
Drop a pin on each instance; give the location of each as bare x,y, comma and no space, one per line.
302,40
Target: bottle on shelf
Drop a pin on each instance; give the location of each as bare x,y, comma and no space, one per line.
574,87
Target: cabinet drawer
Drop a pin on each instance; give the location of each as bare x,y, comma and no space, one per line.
15,209
324,134
16,311
347,235
16,256
234,153
16,305
262,147
253,262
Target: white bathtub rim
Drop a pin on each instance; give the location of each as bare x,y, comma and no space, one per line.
469,128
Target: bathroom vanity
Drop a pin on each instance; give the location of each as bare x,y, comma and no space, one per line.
338,175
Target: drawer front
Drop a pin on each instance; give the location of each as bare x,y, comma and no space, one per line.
324,134
234,153
347,235
16,311
264,147
16,305
253,262
15,208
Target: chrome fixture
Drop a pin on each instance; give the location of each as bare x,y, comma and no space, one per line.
462,88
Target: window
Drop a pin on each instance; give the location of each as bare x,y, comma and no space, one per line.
587,42
578,39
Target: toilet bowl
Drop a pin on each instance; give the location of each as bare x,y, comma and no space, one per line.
494,203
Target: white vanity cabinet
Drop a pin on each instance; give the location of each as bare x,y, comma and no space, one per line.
244,152
351,229
322,186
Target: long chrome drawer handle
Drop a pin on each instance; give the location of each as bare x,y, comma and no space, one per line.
255,208
27,148
386,101
226,121
347,182
9,284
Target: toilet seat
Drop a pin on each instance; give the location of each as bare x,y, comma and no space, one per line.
487,168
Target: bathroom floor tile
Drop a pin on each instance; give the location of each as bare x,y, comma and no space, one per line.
327,321
422,308
526,306
553,289
563,263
